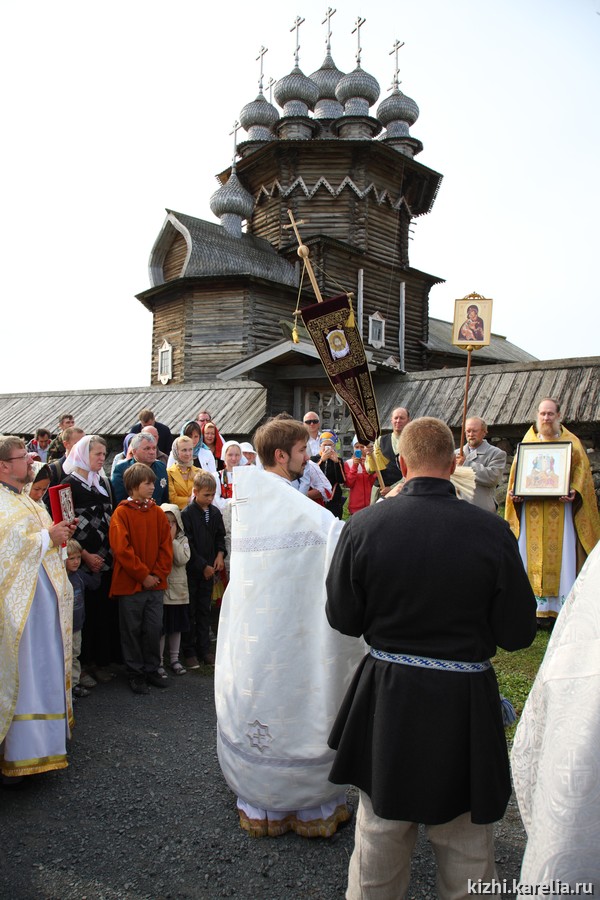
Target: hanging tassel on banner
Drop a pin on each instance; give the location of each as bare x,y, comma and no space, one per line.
350,321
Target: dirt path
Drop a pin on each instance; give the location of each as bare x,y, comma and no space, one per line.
142,813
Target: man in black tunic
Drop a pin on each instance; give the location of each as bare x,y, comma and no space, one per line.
434,584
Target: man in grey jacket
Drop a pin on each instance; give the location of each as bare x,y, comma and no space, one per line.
486,461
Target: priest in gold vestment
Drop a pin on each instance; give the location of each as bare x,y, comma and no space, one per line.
35,626
555,535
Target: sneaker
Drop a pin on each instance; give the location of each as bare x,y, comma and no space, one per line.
87,681
208,659
191,662
177,668
80,691
138,684
156,680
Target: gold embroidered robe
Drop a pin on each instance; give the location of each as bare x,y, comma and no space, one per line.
21,524
544,519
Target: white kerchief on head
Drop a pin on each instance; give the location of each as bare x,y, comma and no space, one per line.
79,458
226,445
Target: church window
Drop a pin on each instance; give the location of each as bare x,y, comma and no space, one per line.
165,362
377,331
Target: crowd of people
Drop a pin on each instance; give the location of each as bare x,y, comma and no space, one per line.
357,685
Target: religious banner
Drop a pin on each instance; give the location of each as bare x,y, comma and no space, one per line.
340,347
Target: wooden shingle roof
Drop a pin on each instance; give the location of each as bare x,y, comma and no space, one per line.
504,395
440,342
238,407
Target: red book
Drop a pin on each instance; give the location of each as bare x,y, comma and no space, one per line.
61,507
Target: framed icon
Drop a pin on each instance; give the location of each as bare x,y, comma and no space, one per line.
472,321
543,469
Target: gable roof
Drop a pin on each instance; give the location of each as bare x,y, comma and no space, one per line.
238,407
212,251
440,342
504,395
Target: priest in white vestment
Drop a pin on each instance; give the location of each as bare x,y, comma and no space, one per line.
555,759
36,614
281,670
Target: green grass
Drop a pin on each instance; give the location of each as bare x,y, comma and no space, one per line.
516,673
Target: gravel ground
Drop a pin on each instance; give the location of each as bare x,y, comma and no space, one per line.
143,813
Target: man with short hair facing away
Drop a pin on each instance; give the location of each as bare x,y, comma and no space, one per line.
281,670
420,730
143,448
313,423
486,461
36,608
555,534
142,548
383,454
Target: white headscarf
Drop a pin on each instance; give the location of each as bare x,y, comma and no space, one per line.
243,461
79,458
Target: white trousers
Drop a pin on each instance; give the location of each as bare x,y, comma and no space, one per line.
380,864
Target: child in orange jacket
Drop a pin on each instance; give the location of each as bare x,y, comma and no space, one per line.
142,547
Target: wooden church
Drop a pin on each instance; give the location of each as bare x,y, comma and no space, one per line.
223,294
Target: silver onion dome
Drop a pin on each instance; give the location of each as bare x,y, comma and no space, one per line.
327,79
258,118
357,91
232,198
397,113
296,93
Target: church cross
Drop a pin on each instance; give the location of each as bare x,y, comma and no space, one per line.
356,30
397,46
330,12
261,54
236,128
270,84
296,27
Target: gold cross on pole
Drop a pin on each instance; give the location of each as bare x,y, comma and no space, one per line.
304,253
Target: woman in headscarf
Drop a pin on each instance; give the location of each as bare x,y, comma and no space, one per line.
181,473
40,484
202,457
93,507
214,442
232,456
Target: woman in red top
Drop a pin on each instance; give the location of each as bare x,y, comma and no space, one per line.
358,479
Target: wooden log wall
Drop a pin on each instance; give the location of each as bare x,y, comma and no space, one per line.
168,323
175,258
217,327
374,224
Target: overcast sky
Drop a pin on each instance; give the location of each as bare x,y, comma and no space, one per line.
113,111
